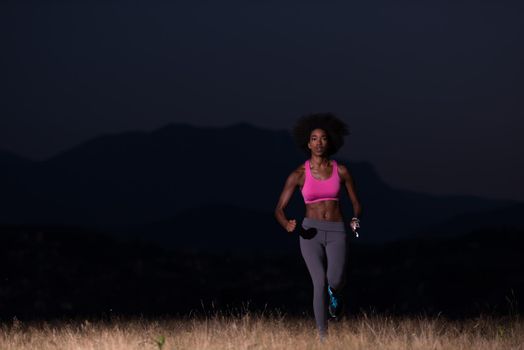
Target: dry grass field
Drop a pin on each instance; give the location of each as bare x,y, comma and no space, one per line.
249,331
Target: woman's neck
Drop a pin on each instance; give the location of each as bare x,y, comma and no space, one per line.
318,162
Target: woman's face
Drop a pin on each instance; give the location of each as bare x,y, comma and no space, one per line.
318,142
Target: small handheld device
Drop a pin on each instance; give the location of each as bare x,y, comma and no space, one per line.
355,224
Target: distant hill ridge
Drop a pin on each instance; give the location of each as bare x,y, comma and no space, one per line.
139,179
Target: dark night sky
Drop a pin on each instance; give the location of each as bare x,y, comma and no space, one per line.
433,90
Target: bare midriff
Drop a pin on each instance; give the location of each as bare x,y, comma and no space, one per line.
324,210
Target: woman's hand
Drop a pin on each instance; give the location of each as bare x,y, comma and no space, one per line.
291,224
355,225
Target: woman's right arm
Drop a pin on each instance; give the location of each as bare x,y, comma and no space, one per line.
290,185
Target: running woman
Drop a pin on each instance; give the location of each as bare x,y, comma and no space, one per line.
323,237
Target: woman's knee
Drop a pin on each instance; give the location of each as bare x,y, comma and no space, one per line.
336,280
319,285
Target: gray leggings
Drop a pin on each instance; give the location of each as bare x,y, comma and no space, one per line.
327,247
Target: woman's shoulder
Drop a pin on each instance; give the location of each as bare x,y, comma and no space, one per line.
300,169
297,175
342,169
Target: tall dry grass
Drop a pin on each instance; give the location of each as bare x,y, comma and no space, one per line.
266,332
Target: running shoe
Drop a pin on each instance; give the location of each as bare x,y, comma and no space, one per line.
336,304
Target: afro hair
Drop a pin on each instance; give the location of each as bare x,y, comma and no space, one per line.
335,129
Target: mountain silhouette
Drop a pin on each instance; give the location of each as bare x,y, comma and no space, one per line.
203,181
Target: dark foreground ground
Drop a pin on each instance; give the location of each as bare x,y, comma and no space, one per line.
51,272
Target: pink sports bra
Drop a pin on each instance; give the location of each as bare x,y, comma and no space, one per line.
315,190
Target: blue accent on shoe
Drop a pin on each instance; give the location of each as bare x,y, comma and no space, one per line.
335,303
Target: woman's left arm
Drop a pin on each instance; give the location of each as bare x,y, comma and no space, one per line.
347,180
